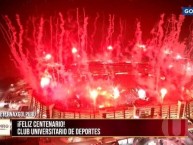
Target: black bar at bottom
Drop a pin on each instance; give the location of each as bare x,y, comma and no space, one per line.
96,127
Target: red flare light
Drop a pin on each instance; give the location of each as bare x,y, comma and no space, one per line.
163,92
45,81
141,94
48,56
74,50
93,94
110,47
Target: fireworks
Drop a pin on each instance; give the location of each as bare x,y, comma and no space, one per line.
74,50
45,81
110,47
48,56
94,94
61,58
116,93
163,92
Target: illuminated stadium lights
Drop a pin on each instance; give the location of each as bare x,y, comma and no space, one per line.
142,94
74,50
45,81
48,56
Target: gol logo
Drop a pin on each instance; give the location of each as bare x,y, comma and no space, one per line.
187,11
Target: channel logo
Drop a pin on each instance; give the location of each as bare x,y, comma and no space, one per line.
5,127
187,11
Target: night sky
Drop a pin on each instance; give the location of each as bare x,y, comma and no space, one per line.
147,11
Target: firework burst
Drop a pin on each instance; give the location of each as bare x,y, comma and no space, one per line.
74,60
